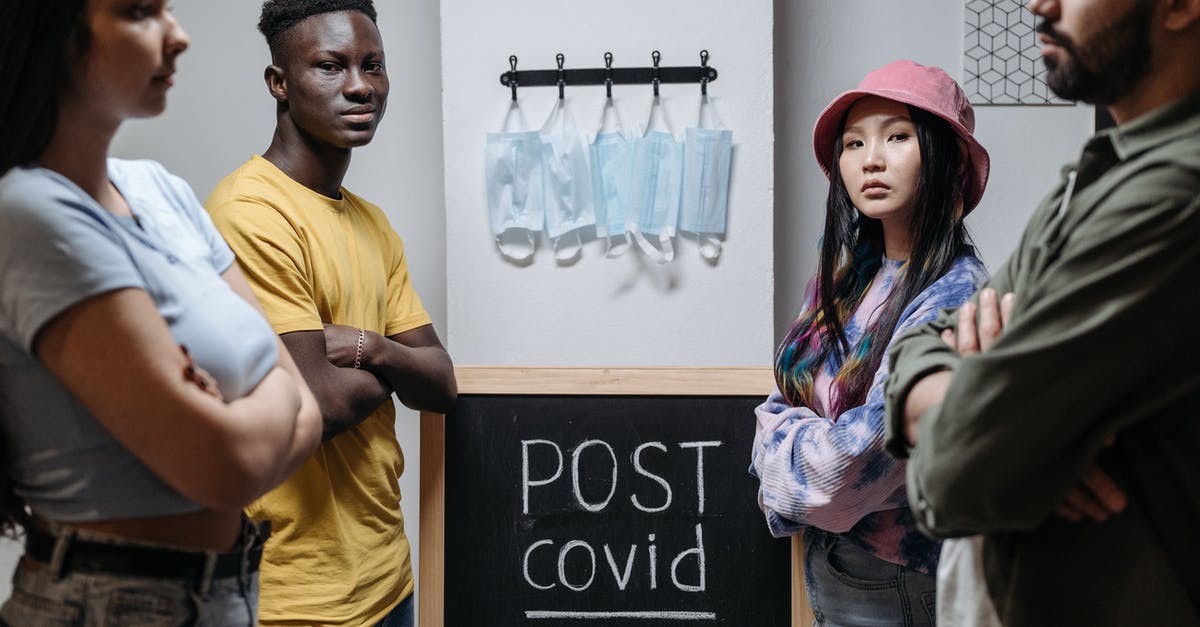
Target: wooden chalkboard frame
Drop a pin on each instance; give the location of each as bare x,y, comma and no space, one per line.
656,381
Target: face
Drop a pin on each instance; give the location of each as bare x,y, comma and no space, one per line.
335,84
881,160
1097,51
129,62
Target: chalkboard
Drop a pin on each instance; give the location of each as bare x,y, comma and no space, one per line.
578,502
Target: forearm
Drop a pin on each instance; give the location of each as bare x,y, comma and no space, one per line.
815,471
346,397
421,376
309,425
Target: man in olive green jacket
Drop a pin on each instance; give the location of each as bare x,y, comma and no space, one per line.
1091,368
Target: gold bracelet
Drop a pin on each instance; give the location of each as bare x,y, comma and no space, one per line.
362,336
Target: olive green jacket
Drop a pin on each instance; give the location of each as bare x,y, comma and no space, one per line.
1104,339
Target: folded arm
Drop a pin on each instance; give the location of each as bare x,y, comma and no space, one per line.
1021,423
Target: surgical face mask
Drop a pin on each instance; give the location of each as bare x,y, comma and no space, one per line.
612,154
654,201
707,156
568,183
512,163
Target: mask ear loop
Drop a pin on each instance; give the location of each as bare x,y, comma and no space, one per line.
666,250
613,250
710,246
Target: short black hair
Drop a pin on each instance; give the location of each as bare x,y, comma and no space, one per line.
278,16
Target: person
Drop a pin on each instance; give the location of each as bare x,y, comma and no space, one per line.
1002,406
904,170
332,276
128,457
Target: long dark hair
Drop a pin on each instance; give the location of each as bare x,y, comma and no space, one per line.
851,254
39,42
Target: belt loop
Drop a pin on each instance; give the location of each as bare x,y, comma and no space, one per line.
205,583
63,539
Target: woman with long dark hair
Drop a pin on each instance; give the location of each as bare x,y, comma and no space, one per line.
128,457
904,169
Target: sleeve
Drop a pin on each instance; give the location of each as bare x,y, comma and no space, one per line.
1020,422
221,256
921,351
830,473
57,251
405,311
273,255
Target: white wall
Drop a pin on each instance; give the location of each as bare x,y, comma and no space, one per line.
825,48
625,311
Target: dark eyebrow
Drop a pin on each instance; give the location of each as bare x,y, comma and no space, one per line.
888,122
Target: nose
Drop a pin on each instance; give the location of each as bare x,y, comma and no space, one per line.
177,39
873,157
358,88
1043,8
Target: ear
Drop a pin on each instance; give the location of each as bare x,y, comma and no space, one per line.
276,82
1181,14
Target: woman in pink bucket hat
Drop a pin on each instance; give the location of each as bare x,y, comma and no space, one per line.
904,169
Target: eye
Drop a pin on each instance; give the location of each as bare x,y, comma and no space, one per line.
141,10
375,67
851,143
329,66
899,137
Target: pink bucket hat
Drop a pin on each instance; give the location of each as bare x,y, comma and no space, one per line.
928,88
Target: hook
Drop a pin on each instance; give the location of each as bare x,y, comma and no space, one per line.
512,62
704,74
608,74
562,76
656,57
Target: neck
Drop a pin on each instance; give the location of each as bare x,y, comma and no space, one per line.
79,149
897,240
1171,78
317,166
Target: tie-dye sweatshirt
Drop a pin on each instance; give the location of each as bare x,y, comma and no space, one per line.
832,472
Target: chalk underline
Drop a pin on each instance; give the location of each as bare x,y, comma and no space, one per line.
665,615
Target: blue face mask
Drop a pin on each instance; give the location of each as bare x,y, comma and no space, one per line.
568,182
611,154
512,165
654,199
707,158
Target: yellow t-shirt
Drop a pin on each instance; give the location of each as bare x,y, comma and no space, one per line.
337,554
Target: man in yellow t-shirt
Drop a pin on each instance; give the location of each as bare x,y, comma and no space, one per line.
331,275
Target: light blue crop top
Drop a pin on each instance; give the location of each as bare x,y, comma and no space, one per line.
59,247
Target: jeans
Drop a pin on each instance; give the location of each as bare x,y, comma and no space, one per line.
44,597
400,616
849,587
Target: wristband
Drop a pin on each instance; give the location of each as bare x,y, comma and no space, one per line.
362,336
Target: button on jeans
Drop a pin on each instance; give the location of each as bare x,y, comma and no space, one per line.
849,587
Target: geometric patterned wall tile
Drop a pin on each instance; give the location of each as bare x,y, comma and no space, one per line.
1002,63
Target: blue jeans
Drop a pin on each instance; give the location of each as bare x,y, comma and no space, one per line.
400,616
47,596
849,587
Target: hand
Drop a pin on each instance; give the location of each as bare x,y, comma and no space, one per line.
1095,496
341,345
199,376
977,337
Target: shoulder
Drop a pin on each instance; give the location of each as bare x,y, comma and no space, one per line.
248,198
38,204
966,275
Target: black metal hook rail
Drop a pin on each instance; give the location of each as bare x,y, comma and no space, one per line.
609,75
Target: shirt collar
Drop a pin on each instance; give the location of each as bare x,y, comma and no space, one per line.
1176,120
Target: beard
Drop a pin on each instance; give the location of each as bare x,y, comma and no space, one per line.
1108,65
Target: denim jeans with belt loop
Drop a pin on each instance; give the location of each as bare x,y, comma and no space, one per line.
50,595
850,587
